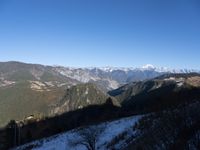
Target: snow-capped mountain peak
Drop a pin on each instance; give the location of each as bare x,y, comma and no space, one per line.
148,67
112,77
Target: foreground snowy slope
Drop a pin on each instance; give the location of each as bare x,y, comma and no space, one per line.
115,135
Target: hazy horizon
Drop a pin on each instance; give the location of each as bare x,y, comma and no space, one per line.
122,67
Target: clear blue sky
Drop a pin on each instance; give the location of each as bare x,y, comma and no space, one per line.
101,32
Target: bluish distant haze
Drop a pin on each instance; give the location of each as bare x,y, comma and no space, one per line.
83,33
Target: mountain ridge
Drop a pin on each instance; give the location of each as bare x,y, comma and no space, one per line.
113,68
22,84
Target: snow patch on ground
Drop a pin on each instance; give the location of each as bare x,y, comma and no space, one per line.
179,81
77,74
87,91
62,141
113,84
180,84
170,79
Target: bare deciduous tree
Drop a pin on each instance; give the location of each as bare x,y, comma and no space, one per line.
88,137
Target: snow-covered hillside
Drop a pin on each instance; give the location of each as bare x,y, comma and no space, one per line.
114,135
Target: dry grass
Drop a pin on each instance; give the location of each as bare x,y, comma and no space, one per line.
194,81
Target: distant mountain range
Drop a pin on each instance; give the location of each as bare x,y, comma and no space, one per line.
27,89
110,78
107,78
